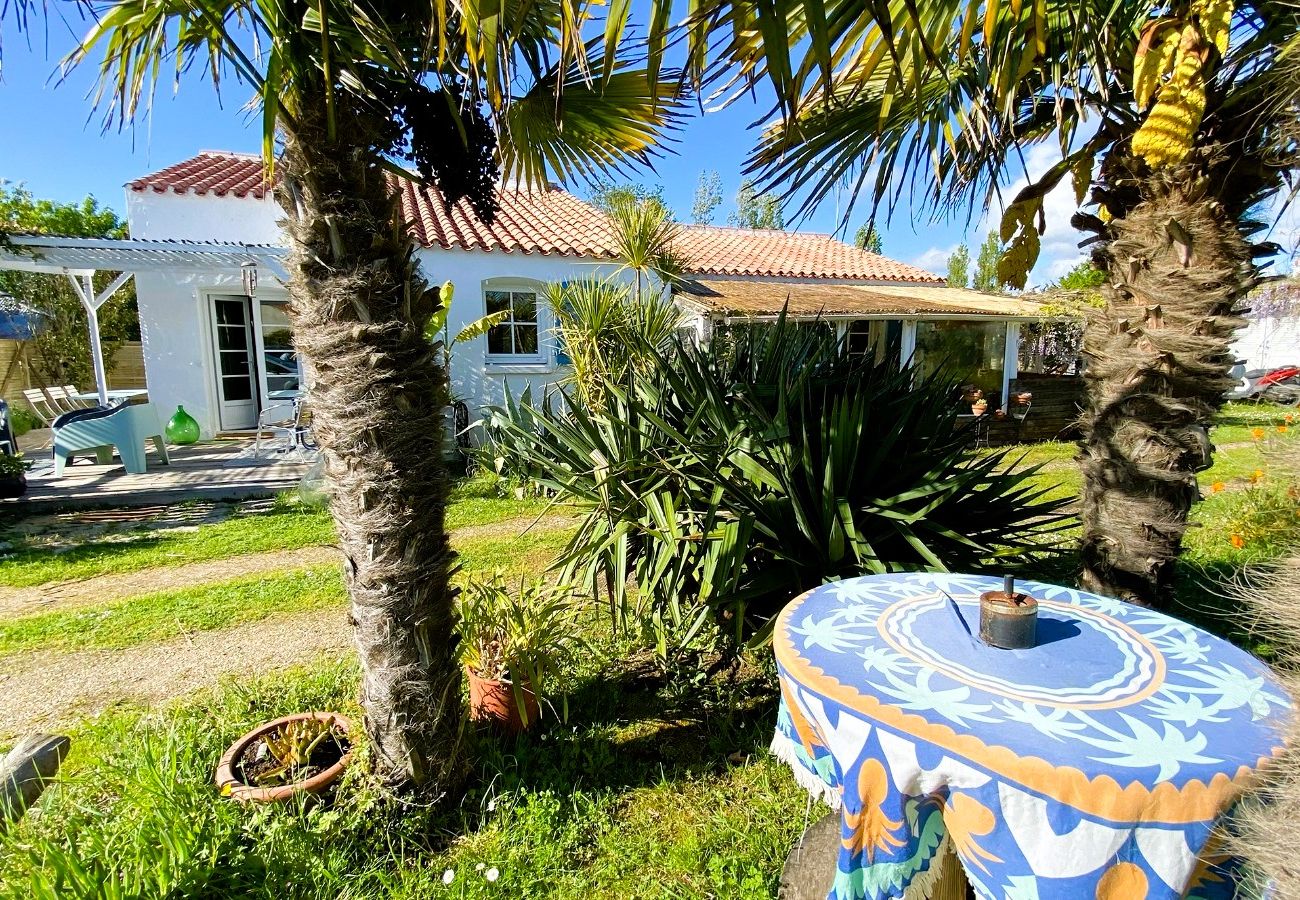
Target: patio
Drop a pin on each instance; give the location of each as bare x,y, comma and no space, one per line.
219,469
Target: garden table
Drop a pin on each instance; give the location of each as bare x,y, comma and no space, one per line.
1092,765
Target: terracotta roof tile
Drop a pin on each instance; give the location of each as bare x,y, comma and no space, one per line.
554,222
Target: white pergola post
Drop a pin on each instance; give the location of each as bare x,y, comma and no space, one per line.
1010,362
85,290
907,344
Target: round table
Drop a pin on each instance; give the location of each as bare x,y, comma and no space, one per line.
1093,765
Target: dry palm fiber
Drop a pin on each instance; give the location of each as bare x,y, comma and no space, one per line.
1268,820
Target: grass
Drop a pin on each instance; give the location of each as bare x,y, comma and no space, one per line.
286,526
649,790
635,796
163,616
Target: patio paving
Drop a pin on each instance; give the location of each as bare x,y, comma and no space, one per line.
220,469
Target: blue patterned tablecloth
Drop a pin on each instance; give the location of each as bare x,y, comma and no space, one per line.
1094,765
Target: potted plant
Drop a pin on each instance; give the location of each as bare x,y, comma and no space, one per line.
302,753
512,644
13,475
980,406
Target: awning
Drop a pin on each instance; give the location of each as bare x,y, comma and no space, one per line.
81,258
810,299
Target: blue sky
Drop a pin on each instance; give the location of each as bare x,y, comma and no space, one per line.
56,146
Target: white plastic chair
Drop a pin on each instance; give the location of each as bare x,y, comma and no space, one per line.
40,405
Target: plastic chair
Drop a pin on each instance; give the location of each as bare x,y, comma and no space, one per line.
41,406
101,428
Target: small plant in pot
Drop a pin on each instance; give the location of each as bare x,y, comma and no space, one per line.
13,475
304,753
513,643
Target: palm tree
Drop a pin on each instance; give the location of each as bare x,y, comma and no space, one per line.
1159,109
644,233
345,87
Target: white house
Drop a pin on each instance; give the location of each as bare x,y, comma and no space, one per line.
211,346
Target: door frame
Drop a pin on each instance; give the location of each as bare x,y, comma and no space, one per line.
214,353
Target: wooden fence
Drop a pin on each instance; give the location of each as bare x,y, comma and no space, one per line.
17,373
1053,415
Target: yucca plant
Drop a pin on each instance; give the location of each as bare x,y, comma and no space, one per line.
741,473
608,333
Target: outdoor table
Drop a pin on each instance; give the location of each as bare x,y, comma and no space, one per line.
115,398
1093,765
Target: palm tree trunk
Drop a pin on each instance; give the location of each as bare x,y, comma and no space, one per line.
377,394
1157,356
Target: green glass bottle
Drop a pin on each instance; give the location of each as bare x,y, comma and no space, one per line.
182,428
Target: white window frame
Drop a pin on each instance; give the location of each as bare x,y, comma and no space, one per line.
514,286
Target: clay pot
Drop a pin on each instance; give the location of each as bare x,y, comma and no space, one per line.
492,702
230,785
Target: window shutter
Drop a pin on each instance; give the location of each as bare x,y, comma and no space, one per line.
561,356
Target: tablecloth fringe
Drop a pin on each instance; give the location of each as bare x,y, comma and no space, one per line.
784,749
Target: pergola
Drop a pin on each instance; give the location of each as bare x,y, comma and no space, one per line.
80,259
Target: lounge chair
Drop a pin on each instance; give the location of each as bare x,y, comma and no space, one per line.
41,405
101,428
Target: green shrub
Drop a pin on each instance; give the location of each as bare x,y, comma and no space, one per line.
23,420
742,473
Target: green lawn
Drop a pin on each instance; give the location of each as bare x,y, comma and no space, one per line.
153,618
650,790
637,795
287,526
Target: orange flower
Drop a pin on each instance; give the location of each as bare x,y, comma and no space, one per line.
1217,486
1289,417
1238,541
1257,476
1281,429
1257,433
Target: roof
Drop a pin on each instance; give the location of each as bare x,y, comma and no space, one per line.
80,256
807,299
553,222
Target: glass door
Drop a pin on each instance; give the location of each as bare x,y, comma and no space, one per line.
235,372
281,369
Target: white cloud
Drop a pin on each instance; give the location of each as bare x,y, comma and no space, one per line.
935,259
1060,243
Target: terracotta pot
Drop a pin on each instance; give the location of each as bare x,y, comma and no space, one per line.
492,702
229,783
979,409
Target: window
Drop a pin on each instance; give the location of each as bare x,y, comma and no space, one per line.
517,335
969,351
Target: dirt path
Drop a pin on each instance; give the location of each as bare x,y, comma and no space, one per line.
63,595
49,689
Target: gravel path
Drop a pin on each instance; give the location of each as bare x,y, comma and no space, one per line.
62,595
47,689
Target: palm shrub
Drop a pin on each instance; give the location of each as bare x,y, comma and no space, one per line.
743,472
607,333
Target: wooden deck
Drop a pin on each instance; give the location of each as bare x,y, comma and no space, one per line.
213,470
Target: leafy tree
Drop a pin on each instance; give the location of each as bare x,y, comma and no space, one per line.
61,341
986,265
1171,113
1083,277
868,238
344,89
959,267
606,194
756,210
708,196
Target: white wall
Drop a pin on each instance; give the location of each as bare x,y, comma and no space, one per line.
175,320
473,379
1269,342
189,217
